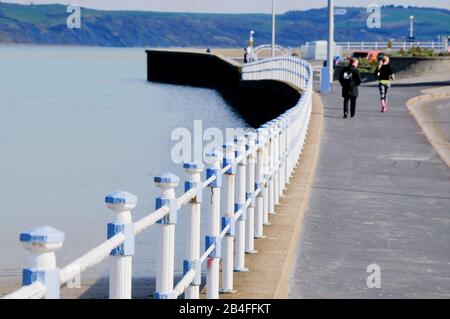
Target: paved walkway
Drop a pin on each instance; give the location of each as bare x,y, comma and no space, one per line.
381,195
439,112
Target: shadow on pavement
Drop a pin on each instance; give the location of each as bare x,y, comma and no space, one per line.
364,113
382,193
142,288
415,84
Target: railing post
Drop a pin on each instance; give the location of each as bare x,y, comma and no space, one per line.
228,219
260,184
282,169
239,256
287,75
250,194
300,73
292,139
270,170
297,127
193,254
299,130
42,242
287,118
295,136
165,241
120,274
266,166
212,265
286,148
276,163
304,126
293,69
287,143
302,78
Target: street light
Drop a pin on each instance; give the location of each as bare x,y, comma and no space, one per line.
330,63
251,41
250,52
273,27
326,73
411,27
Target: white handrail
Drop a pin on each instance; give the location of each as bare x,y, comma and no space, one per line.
286,68
91,258
263,47
33,291
272,153
393,45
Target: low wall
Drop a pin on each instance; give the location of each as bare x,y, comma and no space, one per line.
257,102
365,77
416,66
409,67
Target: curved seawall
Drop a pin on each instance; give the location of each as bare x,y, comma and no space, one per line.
256,101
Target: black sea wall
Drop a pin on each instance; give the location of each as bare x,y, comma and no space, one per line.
257,102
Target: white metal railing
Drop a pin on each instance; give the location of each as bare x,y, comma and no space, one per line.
394,45
255,169
265,47
284,68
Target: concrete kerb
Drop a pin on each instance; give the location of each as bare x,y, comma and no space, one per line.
433,134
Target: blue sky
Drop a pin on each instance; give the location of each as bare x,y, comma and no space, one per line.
231,6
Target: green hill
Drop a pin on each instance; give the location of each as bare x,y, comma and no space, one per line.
46,24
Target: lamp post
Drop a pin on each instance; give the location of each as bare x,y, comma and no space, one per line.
273,27
330,38
251,54
411,28
326,73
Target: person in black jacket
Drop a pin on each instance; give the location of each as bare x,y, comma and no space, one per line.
350,79
384,74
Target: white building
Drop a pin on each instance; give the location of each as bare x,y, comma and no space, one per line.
317,50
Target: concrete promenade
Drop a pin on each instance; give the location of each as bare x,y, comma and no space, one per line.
381,195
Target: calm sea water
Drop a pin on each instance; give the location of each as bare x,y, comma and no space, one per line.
76,124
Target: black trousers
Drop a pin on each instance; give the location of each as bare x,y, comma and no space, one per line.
383,90
352,100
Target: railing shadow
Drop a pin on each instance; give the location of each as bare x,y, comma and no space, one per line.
412,84
433,83
142,288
